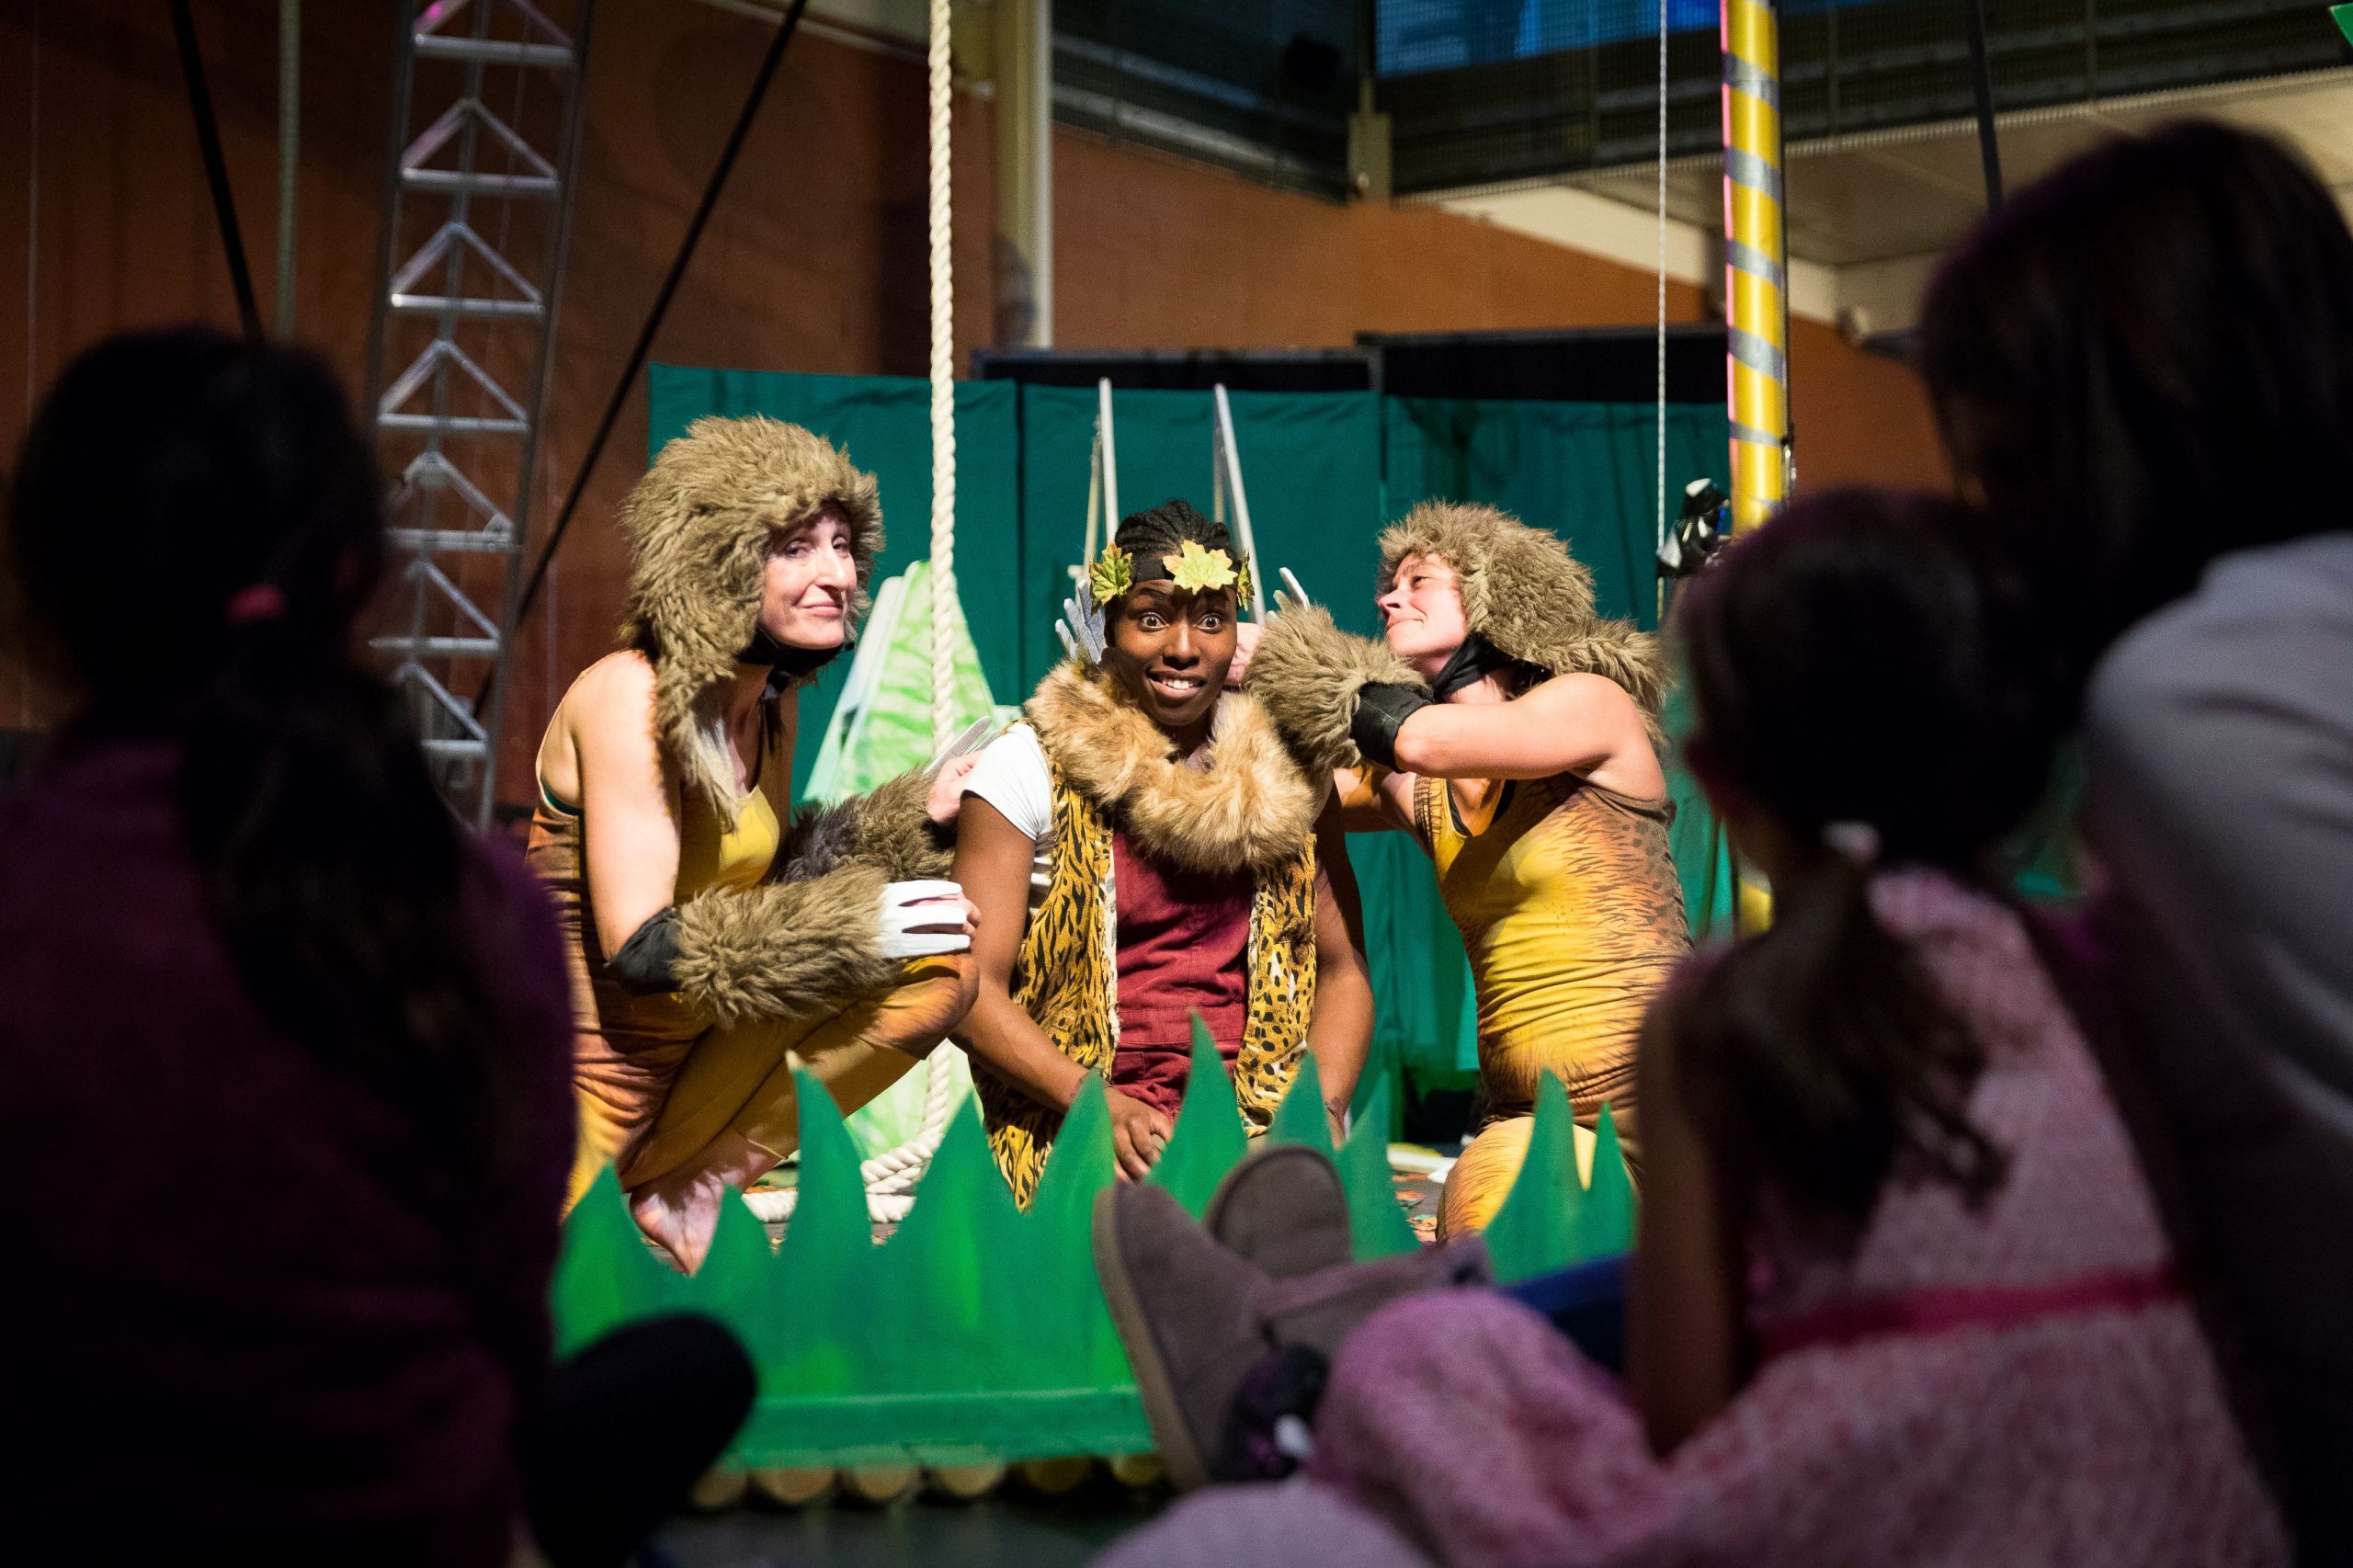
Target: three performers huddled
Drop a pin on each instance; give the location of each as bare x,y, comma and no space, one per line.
1161,837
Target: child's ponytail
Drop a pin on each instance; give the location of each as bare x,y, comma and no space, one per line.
1818,1056
1858,710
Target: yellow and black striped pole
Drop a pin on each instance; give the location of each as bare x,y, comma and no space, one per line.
1757,300
1757,303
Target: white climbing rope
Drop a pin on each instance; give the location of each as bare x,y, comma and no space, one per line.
943,390
890,1177
898,1170
776,1208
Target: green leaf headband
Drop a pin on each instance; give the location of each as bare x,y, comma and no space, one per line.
1192,568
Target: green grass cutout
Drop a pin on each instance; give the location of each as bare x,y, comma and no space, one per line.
1209,1141
979,1330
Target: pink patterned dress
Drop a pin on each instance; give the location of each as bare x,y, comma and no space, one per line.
2018,1385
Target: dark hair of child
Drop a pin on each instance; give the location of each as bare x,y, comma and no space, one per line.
1849,672
193,528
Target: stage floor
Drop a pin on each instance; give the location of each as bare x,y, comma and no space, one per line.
1017,1532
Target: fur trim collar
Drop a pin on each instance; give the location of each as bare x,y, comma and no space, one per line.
1250,806
699,525
1525,593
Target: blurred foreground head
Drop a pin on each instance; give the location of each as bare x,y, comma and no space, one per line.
1850,664
2143,362
193,527
183,496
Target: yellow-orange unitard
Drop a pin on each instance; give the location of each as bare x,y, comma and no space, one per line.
1571,915
655,1080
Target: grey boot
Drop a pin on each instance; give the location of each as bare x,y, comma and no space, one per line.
1284,1209
1196,1318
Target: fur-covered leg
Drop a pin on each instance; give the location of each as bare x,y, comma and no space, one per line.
787,950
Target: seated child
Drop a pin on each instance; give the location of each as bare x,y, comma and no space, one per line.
1902,1293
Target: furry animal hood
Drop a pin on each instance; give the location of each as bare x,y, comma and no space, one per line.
1525,594
1249,806
698,526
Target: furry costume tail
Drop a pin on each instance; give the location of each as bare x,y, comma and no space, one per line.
888,828
1306,673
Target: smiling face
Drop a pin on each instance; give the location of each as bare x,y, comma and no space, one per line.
1171,648
1422,613
811,579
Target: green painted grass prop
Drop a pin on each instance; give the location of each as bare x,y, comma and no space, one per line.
1301,1118
1550,1219
1377,1227
1209,1140
977,1331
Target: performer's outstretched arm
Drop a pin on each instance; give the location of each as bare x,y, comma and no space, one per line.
1571,724
1346,703
1372,800
791,949
1339,1031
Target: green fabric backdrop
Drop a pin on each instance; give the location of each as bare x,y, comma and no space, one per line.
1322,472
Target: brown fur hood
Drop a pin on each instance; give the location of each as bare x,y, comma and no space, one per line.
698,526
1525,593
1249,806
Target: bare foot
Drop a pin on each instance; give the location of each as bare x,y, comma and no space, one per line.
679,1211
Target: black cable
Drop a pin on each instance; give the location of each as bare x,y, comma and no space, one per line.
216,170
645,346
1980,75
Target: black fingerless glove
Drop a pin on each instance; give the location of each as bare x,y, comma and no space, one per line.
647,963
1381,710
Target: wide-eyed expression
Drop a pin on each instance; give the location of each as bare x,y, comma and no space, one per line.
1171,648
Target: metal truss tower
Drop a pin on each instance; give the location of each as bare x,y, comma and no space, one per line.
485,128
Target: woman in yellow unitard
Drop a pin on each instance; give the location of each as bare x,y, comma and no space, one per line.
1513,731
713,949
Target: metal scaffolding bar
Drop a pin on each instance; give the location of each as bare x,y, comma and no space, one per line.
475,210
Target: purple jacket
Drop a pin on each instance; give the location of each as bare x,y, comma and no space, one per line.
235,1326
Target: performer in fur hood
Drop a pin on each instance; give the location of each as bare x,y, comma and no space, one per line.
1514,732
1141,849
711,949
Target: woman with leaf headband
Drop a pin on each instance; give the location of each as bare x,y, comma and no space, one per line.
714,952
1514,732
1143,849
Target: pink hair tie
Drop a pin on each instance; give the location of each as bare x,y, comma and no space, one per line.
262,601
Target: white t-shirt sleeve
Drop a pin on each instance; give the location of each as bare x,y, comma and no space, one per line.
1013,777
